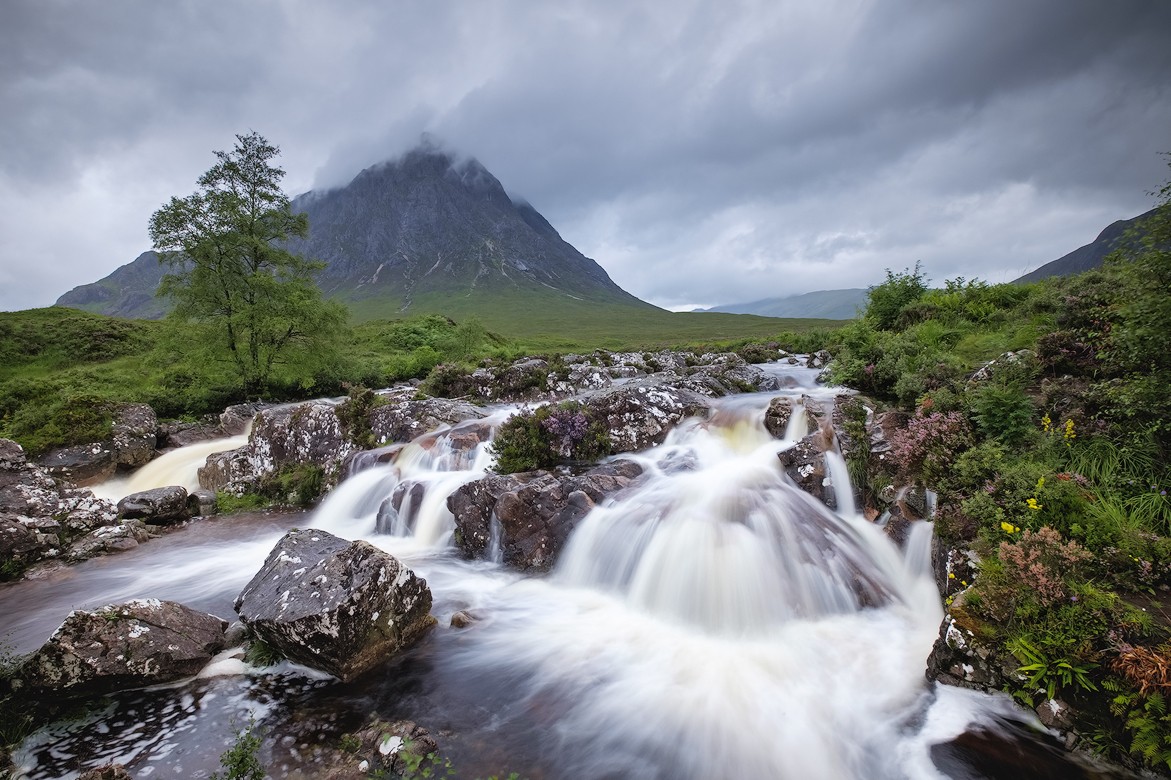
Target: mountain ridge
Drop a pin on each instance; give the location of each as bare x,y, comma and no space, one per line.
419,234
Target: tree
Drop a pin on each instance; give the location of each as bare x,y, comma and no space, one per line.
230,273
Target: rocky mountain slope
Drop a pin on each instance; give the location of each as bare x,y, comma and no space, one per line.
820,304
1089,256
424,233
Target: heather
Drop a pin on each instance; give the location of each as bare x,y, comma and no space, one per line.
1039,414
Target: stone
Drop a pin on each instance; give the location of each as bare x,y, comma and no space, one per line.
158,505
135,435
139,643
341,607
82,464
535,512
202,503
109,539
407,420
804,462
641,413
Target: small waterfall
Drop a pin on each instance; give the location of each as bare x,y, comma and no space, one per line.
798,426
402,490
177,467
839,475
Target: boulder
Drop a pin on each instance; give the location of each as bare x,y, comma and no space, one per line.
341,607
641,413
804,462
82,464
406,421
158,505
960,658
135,437
109,539
202,503
144,642
725,374
780,411
40,517
535,512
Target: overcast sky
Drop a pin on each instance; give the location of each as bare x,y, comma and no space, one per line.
703,151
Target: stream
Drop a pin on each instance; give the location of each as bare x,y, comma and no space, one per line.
712,621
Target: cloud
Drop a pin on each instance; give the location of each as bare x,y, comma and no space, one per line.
702,151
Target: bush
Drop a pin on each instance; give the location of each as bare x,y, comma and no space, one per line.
550,435
927,446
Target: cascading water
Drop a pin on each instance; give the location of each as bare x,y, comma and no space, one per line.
711,622
177,467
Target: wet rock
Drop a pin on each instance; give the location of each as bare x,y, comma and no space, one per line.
82,464
231,471
535,512
780,411
159,505
109,539
40,517
135,438
804,462
640,414
378,749
462,619
342,607
144,642
202,503
819,359
406,421
727,374
960,658
579,376
235,419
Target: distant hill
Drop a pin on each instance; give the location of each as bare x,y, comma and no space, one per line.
424,233
822,304
127,292
1089,256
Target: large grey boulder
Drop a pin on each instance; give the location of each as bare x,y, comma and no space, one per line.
405,421
158,505
641,413
135,435
144,642
82,464
341,607
535,512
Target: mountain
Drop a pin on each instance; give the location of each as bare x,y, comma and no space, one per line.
822,304
127,292
424,233
1089,256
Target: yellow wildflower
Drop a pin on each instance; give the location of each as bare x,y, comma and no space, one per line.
1035,506
1046,422
1009,528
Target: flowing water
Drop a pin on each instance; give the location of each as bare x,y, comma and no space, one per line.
177,467
711,622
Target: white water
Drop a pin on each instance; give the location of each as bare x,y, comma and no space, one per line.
712,622
177,467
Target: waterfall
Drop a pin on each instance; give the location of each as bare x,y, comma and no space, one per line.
177,467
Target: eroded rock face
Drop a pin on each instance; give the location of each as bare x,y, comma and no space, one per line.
536,512
639,415
341,607
159,505
959,658
40,518
804,462
129,645
82,464
132,444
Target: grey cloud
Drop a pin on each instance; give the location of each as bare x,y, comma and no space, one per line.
702,151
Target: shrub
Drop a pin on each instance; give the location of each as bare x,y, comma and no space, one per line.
1044,562
550,435
929,443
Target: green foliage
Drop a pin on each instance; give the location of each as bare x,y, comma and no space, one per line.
1003,411
300,484
887,301
1050,674
354,415
261,653
228,503
1149,724
41,423
228,271
242,760
547,436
